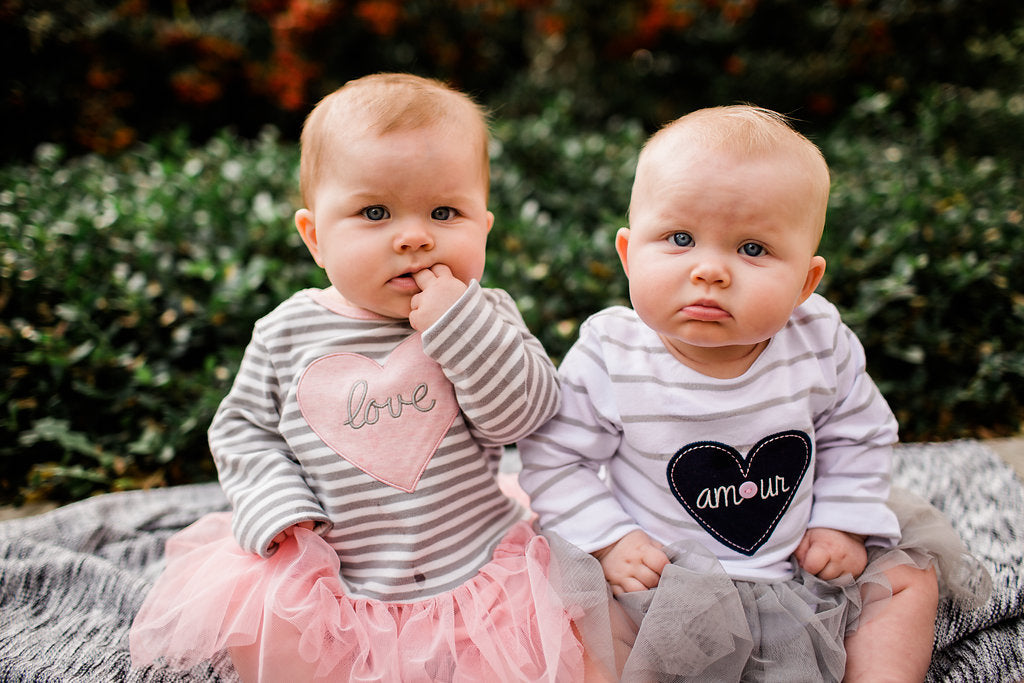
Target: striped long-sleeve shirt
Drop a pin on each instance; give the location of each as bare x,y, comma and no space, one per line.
388,439
743,465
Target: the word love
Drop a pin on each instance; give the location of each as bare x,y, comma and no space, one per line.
361,412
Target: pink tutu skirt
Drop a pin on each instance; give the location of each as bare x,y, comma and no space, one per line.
783,631
288,617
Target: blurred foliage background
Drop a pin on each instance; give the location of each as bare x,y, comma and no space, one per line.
149,175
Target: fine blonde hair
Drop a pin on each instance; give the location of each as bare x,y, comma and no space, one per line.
747,131
383,103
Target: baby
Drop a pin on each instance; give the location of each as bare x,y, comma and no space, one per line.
720,449
359,445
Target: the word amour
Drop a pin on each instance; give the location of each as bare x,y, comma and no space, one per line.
726,496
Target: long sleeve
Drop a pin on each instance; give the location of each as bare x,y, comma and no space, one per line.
504,381
563,460
249,451
854,441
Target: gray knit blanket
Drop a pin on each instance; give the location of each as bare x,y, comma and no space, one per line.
72,579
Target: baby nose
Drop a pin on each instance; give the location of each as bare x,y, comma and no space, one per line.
710,272
412,236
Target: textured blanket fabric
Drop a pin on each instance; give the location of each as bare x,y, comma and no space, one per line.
71,580
983,499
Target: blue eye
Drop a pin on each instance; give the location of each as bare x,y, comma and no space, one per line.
443,213
681,239
375,213
752,249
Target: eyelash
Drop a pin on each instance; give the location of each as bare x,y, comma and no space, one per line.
674,238
450,213
366,213
677,237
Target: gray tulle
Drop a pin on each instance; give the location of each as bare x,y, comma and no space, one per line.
700,625
927,531
605,630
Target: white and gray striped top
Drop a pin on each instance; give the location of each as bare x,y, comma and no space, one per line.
602,467
394,544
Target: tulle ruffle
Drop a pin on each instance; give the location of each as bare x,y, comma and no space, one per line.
931,540
783,631
733,630
287,617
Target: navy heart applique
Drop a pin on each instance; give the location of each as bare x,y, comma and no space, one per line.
740,502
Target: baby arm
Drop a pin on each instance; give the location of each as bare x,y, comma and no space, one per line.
854,448
259,475
505,384
563,462
633,563
828,554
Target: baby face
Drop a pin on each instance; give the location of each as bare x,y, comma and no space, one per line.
719,252
394,204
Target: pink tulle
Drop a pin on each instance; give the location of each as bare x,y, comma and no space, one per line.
288,615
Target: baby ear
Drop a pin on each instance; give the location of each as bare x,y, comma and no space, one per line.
622,246
814,274
305,223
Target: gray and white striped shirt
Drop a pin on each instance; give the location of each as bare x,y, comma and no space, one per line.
411,513
643,441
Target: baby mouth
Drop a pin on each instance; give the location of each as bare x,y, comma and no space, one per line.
706,311
407,280
409,275
404,281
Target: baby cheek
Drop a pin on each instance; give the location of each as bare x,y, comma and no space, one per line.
470,266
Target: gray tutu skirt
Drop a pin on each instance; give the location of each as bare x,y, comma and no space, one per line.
701,625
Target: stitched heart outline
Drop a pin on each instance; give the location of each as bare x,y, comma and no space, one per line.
388,420
740,502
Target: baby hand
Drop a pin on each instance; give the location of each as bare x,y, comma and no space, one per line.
439,290
290,531
633,563
828,554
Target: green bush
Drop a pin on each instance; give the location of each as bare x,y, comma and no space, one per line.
926,257
558,196
129,286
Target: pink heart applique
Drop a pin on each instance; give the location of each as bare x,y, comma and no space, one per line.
387,420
